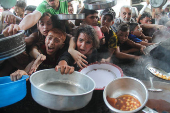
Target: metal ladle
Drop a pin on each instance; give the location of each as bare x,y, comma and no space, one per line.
152,88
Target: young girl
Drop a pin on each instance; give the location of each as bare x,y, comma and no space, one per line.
86,41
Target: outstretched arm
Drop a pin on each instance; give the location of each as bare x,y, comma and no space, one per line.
77,56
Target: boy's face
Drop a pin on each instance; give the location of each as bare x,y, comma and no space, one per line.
45,25
122,36
137,31
19,11
146,20
125,14
53,42
70,8
84,44
106,20
53,3
92,19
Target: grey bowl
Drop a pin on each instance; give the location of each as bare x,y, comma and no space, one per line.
126,85
64,92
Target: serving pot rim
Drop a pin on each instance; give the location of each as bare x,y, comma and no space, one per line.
61,94
116,110
9,37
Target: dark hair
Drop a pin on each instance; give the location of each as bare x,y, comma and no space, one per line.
30,8
88,12
69,1
132,26
21,4
123,27
51,16
90,31
145,14
59,31
108,11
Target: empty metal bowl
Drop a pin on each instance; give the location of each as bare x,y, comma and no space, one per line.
126,85
64,92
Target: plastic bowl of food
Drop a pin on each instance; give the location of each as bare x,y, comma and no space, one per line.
12,91
128,92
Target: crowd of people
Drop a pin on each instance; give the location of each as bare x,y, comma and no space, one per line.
73,44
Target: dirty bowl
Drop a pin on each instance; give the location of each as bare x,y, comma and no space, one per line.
12,91
64,92
126,85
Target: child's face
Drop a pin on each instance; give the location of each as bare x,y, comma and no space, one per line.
45,25
84,44
137,31
92,19
70,8
106,20
53,42
19,11
123,36
146,20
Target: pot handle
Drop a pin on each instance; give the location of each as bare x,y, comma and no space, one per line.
148,110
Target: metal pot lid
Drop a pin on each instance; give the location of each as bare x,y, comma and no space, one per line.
99,4
70,16
7,4
157,3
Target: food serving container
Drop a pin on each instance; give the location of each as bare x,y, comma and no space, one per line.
12,91
99,4
12,45
126,85
64,92
70,16
102,73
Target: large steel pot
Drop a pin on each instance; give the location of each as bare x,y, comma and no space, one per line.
12,45
64,92
127,85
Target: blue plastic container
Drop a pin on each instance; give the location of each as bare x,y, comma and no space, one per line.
12,91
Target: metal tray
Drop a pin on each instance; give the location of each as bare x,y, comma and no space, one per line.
158,72
70,16
99,4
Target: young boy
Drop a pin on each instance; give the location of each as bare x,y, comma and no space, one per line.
125,46
108,48
52,49
136,33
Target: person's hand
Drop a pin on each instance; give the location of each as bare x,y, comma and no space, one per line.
10,19
105,60
65,69
17,75
137,58
142,49
36,63
11,30
79,58
104,29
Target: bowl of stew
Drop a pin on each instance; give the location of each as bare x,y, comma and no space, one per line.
126,94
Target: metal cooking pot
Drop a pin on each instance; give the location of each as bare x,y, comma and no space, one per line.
7,3
99,4
126,85
64,92
12,45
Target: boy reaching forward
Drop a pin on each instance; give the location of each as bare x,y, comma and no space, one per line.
52,49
